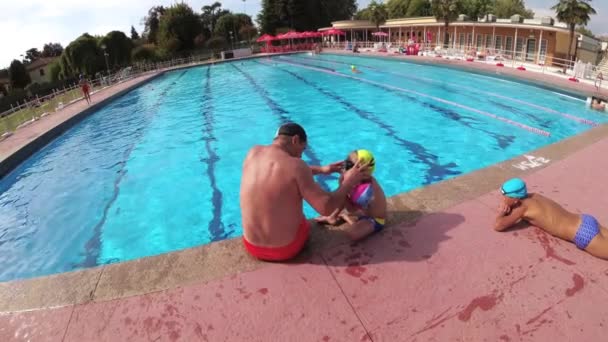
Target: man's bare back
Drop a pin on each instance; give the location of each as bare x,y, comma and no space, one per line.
551,217
270,197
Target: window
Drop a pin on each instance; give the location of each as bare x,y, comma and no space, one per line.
543,51
479,41
488,41
469,39
461,41
41,72
498,44
509,45
531,50
519,48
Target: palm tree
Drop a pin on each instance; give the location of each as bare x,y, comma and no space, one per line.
377,13
446,11
573,13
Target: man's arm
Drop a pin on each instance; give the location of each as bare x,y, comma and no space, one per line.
504,221
323,202
327,169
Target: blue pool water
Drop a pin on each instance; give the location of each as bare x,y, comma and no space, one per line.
158,169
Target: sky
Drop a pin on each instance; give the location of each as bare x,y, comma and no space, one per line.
32,23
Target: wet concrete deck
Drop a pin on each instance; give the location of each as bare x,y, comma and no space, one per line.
439,272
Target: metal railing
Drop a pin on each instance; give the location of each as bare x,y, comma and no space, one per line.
538,60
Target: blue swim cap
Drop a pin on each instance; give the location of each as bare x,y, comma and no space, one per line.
515,188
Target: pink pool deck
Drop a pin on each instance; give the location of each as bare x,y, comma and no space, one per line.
448,276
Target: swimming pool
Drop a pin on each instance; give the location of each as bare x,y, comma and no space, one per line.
158,169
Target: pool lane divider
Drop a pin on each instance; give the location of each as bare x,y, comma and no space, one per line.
454,104
429,80
436,172
283,116
93,245
216,226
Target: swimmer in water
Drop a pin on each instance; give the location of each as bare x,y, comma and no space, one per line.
366,205
354,69
518,205
598,104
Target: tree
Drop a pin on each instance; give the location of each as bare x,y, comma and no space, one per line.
32,55
573,12
267,19
446,11
585,31
55,71
152,22
178,27
508,8
66,68
118,47
363,14
145,52
52,50
303,15
83,55
476,9
134,34
232,23
248,32
216,43
3,90
408,8
199,41
377,13
211,14
18,75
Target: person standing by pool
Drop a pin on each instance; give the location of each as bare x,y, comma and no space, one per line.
84,85
274,183
517,205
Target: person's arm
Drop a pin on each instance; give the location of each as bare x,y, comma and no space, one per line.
322,201
327,169
505,220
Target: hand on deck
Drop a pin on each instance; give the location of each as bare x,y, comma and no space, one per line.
503,209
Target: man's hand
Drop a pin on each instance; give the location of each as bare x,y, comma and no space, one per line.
355,175
503,210
332,168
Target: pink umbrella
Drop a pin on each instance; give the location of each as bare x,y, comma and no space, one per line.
332,32
266,38
308,34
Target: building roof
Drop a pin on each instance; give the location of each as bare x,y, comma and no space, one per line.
40,63
545,23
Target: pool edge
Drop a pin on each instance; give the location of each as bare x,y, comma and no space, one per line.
218,260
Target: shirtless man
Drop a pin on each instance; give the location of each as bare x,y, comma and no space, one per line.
540,211
275,181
